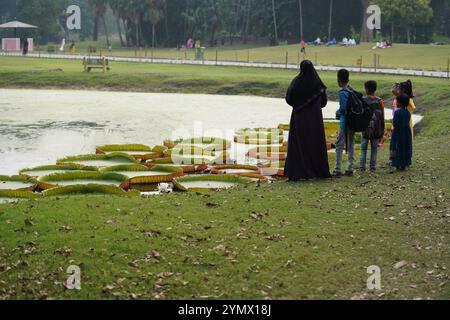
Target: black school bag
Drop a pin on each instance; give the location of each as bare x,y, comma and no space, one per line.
359,113
376,125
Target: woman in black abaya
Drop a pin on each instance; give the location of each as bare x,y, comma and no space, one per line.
307,152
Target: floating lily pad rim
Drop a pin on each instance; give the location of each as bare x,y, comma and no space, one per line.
87,175
19,178
62,167
193,151
142,168
235,166
94,157
19,194
209,142
125,147
262,131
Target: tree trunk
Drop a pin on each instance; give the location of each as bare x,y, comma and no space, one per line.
153,35
119,29
366,33
392,32
106,31
136,24
95,31
300,6
408,34
247,23
141,36
166,22
275,22
186,21
236,22
330,25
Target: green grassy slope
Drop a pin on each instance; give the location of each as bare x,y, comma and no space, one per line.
297,241
428,57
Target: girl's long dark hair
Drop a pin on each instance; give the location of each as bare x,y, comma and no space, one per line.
407,88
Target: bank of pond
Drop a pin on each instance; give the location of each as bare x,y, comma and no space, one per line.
199,164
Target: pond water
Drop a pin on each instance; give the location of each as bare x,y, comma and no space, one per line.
39,126
14,185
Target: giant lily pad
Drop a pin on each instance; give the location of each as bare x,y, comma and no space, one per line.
259,132
81,178
20,182
138,151
186,167
205,143
7,196
236,169
278,153
267,140
134,171
209,182
47,170
99,160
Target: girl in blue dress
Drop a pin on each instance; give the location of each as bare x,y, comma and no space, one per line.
401,143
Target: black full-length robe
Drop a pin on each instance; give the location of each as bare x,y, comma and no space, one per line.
307,151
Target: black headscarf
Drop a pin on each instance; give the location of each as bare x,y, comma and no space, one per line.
305,86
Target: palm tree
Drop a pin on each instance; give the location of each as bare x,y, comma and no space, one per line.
118,8
99,7
154,14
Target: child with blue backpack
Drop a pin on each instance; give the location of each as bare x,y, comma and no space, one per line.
346,137
375,132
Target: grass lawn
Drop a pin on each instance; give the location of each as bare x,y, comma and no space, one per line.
279,241
427,57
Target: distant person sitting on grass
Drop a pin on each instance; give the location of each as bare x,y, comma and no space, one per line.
375,132
317,42
401,142
346,137
332,42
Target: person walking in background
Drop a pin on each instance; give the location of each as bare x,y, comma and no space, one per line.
25,47
407,88
401,142
307,151
346,137
375,132
303,47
